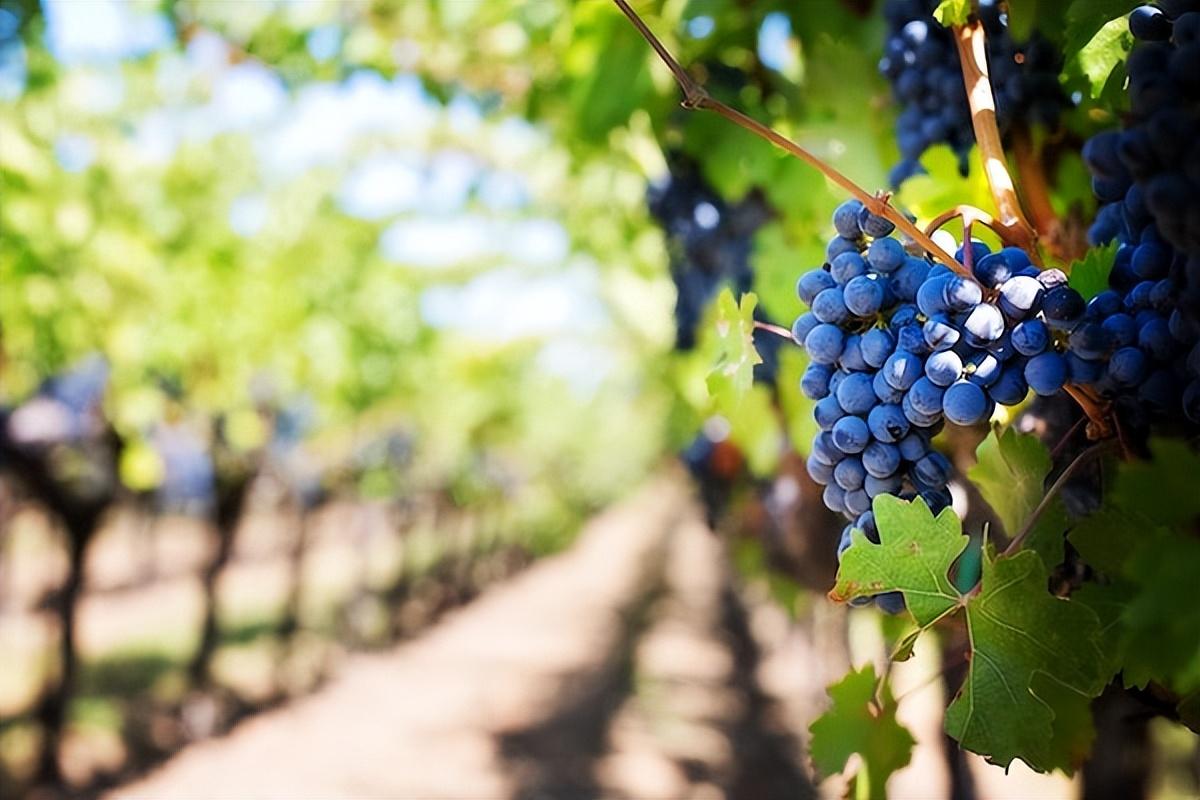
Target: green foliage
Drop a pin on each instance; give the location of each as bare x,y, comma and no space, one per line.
861,722
1010,472
914,556
1089,275
953,12
1035,659
733,374
1094,54
1142,542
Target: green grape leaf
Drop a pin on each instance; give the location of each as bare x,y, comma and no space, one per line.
855,723
1162,619
1108,601
1010,472
1089,275
1092,58
1162,490
1034,658
953,12
1105,539
733,375
914,556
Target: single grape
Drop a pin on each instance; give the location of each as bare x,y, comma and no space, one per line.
851,435
887,423
1046,373
964,403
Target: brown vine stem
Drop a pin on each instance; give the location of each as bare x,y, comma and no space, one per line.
972,55
1035,192
695,96
1099,425
778,330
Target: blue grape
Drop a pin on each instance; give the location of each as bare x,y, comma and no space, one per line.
993,270
887,423
964,403
886,255
932,470
847,266
926,397
855,393
913,447
908,278
824,343
940,333
885,391
803,326
1030,337
818,470
880,459
864,295
814,383
834,498
830,306
902,369
876,345
827,411
851,435
849,474
813,283
984,324
877,486
960,294
845,219
1010,388
1020,296
943,367
1046,373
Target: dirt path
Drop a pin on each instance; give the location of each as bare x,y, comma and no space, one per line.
631,666
443,716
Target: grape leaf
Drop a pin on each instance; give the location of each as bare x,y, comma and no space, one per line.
1031,653
855,724
733,375
953,12
1090,65
1089,275
1104,539
1162,490
1011,472
1162,620
914,556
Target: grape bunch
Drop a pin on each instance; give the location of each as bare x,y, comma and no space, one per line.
898,346
1143,331
709,242
921,63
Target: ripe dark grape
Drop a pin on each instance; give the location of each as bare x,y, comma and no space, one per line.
921,62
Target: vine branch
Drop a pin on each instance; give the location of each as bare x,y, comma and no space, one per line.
971,42
1035,192
695,96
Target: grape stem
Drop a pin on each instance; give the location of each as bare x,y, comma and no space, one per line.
1034,190
972,55
696,96
1081,459
778,330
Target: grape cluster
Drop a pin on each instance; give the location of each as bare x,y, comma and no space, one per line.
898,346
709,242
922,65
1144,328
